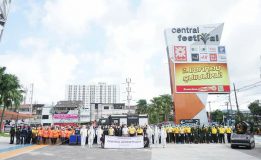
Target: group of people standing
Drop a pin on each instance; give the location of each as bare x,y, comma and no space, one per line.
197,134
96,134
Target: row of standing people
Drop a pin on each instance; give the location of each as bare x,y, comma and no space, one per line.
154,134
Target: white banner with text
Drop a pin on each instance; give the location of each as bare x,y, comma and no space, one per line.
123,142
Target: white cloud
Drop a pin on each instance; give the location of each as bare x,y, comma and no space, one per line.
48,70
134,45
67,17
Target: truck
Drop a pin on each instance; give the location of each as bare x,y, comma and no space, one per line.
243,135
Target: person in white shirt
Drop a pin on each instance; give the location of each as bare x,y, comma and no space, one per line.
83,133
91,136
149,134
156,135
163,135
125,131
99,133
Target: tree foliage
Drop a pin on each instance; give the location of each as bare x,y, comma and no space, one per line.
217,116
10,91
158,110
142,107
255,110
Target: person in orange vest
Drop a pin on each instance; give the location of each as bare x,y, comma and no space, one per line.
55,135
68,133
51,135
45,135
63,135
39,135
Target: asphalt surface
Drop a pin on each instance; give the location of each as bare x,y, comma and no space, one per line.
173,151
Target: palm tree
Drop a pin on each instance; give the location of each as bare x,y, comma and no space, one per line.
142,107
167,105
10,91
157,105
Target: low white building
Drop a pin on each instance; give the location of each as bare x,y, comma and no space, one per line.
47,118
104,110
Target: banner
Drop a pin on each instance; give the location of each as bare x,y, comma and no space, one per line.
201,77
123,142
65,116
200,63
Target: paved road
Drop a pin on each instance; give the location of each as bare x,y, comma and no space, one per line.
178,151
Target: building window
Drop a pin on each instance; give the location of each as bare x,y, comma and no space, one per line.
45,117
106,107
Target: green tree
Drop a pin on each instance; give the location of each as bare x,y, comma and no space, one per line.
255,110
10,91
142,107
158,110
156,104
152,113
217,116
167,105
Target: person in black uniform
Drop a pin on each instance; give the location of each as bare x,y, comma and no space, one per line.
17,135
12,135
146,141
29,135
23,135
119,130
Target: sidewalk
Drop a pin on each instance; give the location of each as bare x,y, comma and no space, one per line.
258,139
5,146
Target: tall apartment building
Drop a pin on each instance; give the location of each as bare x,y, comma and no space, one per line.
101,93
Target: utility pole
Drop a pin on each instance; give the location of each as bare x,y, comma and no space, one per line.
128,90
239,118
236,97
210,120
227,112
260,66
31,97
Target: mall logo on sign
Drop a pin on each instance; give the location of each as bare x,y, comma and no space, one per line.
180,53
195,35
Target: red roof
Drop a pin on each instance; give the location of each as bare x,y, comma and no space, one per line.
9,115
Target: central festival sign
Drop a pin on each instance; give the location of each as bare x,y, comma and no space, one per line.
197,66
200,63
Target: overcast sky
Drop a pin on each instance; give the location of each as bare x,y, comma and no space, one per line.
52,43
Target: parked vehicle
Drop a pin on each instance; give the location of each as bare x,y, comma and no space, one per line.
243,136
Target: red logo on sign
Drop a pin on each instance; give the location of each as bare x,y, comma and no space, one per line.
213,57
180,53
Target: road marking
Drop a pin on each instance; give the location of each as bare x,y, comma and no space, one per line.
14,147
16,152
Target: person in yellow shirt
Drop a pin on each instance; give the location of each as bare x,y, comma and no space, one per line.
169,134
177,134
188,134
228,132
221,135
132,131
173,133
111,131
139,131
182,134
34,135
214,134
